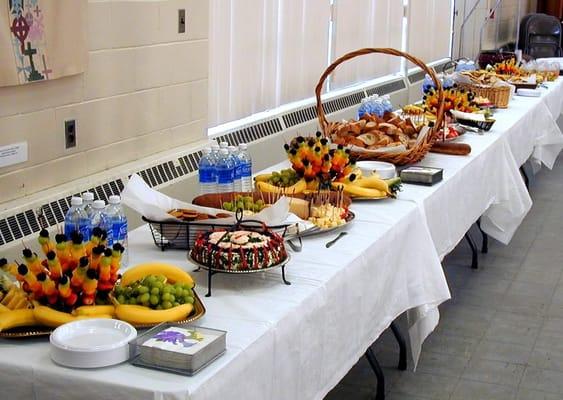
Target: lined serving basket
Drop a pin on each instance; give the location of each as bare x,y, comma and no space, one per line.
498,95
413,153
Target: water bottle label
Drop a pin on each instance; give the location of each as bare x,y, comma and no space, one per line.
225,176
246,169
206,175
85,230
238,171
119,231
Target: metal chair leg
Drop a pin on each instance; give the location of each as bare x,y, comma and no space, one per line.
402,346
380,393
485,242
474,253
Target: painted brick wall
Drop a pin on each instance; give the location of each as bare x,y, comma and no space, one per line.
145,91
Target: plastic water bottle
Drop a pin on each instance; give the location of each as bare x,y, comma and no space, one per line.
76,220
225,172
87,202
246,168
233,153
99,219
386,101
224,145
206,171
363,109
118,221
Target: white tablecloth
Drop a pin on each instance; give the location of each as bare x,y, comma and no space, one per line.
487,182
283,342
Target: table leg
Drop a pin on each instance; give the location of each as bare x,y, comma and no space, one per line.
380,393
474,253
525,177
485,242
402,346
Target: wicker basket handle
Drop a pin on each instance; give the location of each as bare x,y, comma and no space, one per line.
320,111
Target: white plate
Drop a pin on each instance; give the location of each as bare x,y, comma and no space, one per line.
384,169
92,343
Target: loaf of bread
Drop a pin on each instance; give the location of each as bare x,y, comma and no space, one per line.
456,149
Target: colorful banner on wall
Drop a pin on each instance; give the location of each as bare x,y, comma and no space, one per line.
45,38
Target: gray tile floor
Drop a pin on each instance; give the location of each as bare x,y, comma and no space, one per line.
501,335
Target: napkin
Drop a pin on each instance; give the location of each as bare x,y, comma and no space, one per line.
155,205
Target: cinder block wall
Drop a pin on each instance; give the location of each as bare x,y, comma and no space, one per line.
145,91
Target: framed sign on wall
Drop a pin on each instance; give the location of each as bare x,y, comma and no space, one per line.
42,40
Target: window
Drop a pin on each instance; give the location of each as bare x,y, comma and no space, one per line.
267,53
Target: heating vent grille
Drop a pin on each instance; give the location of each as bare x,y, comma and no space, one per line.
300,116
439,68
417,77
342,103
387,88
251,133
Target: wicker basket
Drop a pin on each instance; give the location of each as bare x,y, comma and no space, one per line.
498,95
411,155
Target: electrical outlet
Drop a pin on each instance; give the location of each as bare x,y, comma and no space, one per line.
182,21
70,134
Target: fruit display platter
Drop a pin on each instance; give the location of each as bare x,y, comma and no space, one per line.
80,279
34,331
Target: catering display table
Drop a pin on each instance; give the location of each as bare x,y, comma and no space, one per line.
283,341
487,182
298,341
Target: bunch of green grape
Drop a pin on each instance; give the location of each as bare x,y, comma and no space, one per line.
284,178
153,291
245,203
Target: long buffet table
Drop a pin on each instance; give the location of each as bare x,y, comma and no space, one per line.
298,341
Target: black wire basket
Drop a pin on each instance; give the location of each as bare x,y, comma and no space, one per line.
181,235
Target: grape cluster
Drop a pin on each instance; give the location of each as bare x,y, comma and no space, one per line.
153,291
284,178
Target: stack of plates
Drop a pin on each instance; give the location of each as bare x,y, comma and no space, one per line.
384,169
92,343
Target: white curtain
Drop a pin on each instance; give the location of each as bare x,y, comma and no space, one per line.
366,23
264,53
429,29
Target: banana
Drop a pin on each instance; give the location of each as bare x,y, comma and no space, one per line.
372,182
358,191
15,318
262,177
313,185
94,311
52,318
139,315
296,188
172,273
3,308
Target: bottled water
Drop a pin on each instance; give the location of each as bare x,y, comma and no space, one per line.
76,220
99,219
87,201
246,168
363,109
118,221
386,101
233,153
225,172
224,145
206,171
